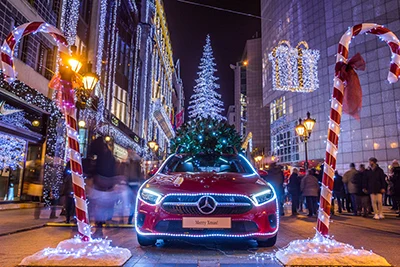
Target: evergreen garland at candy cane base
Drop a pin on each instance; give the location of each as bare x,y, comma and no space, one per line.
206,136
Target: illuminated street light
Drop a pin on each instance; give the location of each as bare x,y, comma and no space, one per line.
303,130
90,79
73,61
152,144
82,124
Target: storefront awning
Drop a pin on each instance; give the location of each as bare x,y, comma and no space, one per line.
163,120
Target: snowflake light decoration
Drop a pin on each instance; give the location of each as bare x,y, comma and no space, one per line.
294,68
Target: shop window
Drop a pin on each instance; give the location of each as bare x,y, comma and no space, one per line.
12,157
278,108
285,146
123,58
84,10
119,105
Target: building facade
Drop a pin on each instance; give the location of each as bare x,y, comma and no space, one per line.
160,85
28,135
251,116
126,43
377,133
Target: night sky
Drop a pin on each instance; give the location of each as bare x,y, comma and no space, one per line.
188,26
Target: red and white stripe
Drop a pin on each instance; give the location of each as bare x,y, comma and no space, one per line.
7,49
7,52
336,110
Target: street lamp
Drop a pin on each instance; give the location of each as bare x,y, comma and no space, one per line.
258,160
152,144
82,123
303,130
73,61
90,79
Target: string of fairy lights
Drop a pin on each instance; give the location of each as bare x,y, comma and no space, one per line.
294,69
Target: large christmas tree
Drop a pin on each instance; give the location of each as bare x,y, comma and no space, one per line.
205,102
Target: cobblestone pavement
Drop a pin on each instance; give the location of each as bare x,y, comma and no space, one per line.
380,236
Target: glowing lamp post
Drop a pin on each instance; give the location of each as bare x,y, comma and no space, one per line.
258,160
90,79
152,144
303,130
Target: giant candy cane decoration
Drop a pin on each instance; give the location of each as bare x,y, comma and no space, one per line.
336,110
68,105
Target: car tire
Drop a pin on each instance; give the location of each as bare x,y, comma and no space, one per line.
270,242
146,241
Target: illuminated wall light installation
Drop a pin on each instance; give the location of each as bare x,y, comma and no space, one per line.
294,68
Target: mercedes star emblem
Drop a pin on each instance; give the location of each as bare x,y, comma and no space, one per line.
207,204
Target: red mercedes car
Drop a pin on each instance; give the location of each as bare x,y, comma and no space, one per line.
206,195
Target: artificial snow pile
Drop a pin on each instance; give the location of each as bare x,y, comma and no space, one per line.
75,252
325,251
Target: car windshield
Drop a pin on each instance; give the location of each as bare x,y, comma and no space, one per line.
207,163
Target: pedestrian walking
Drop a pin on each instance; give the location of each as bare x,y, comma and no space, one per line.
338,192
135,175
104,182
294,190
390,185
309,188
67,192
275,178
395,179
362,198
351,188
375,185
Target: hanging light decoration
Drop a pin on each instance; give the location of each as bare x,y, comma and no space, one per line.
294,68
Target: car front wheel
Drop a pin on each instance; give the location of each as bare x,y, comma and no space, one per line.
270,242
145,241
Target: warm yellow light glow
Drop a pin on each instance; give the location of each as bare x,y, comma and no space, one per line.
156,147
301,130
309,123
75,64
35,123
152,144
107,138
258,158
245,63
376,146
82,124
89,81
394,145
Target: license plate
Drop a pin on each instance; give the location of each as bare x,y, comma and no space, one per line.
206,222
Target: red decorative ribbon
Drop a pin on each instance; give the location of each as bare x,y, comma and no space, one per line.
352,101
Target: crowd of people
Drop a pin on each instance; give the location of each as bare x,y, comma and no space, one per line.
359,191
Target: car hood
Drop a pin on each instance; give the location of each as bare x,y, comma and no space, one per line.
229,183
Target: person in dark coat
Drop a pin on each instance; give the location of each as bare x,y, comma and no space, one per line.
294,190
395,179
67,192
361,197
104,180
310,189
375,186
338,192
275,178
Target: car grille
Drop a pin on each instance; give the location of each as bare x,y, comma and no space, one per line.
188,204
175,227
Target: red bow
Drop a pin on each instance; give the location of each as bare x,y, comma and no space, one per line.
352,101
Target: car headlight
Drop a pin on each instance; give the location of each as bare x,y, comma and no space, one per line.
263,197
150,196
